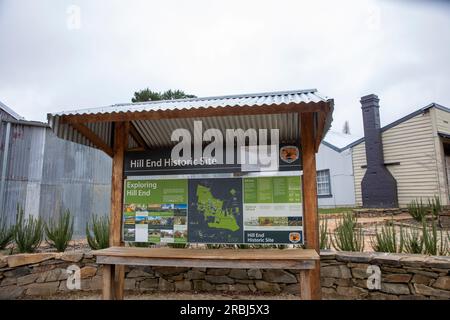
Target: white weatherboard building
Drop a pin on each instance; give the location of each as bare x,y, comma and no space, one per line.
335,180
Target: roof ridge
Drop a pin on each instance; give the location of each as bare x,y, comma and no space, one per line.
402,119
235,96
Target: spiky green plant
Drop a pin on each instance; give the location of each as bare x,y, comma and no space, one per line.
98,237
386,240
177,245
28,232
141,244
413,241
435,206
6,233
213,246
323,233
348,237
448,243
417,210
430,238
60,232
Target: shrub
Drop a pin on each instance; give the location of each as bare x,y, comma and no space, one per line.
99,238
323,233
417,210
60,232
386,240
413,241
28,233
6,233
347,236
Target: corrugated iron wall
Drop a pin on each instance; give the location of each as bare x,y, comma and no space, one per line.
45,174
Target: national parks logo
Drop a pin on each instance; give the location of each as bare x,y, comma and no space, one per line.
289,153
294,237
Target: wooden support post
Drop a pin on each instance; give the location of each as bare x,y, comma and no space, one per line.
108,293
310,212
120,144
305,284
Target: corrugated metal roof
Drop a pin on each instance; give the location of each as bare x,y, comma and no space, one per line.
251,99
10,111
157,133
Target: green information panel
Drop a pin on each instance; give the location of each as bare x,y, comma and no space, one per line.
253,210
272,210
155,211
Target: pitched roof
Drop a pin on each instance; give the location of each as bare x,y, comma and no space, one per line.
403,119
338,140
240,100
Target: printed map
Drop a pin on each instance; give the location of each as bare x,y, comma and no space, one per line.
215,210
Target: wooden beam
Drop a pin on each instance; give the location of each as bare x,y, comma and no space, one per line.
197,113
310,207
92,137
137,137
121,131
322,118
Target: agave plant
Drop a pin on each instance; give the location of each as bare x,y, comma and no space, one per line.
348,237
28,232
6,233
97,232
413,241
323,233
433,243
60,232
417,210
436,208
386,239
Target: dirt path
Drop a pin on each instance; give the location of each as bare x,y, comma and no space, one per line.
370,220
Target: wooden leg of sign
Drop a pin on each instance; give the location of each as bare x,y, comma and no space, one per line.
119,280
305,285
310,218
107,282
120,144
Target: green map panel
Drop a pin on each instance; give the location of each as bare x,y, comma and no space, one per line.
215,210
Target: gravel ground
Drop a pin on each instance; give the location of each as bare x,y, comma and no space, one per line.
170,296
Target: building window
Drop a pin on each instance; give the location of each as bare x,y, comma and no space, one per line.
323,183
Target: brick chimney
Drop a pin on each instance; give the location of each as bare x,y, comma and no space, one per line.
378,187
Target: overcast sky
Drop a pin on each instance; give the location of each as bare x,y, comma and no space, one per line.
62,55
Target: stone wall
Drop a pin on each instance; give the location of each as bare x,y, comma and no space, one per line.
349,275
344,276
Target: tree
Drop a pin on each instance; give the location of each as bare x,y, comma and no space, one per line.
149,95
346,128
